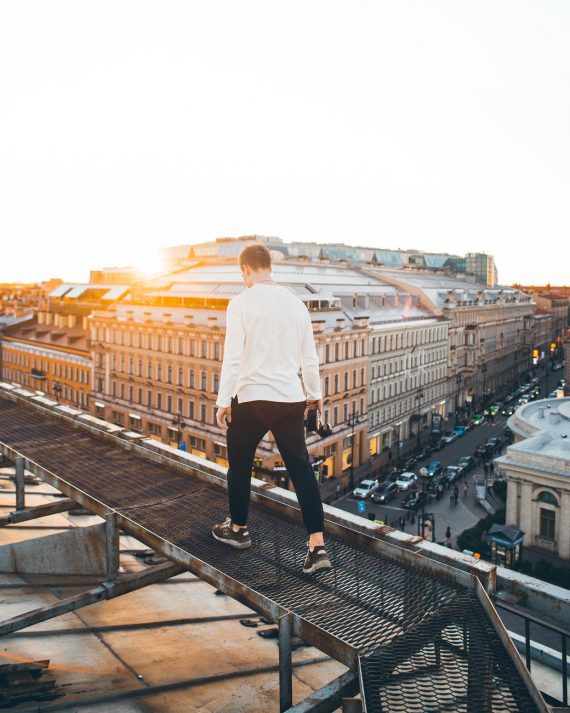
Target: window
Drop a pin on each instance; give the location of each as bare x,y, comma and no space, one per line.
217,351
203,413
169,374
191,410
547,523
326,385
191,382
159,372
216,383
203,381
169,403
346,380
336,383
180,376
549,498
204,349
159,401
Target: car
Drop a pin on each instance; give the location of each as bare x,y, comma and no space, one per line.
436,482
524,399
410,464
477,419
494,443
460,430
454,472
493,409
386,492
425,453
508,410
406,480
434,468
415,499
439,444
366,488
450,437
467,462
482,450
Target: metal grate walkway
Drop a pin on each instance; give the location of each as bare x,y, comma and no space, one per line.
422,642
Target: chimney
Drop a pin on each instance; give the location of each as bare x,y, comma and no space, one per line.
340,322
319,326
361,321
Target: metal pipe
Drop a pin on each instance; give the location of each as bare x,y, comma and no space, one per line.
112,545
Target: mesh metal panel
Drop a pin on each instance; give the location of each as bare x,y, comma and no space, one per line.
425,643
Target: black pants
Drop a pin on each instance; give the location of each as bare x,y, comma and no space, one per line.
250,421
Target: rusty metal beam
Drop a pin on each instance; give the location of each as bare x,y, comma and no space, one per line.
285,664
37,511
112,545
491,612
330,697
20,483
106,590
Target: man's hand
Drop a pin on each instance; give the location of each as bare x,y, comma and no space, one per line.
317,404
224,417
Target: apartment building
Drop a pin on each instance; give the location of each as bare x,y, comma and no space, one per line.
51,351
157,360
489,333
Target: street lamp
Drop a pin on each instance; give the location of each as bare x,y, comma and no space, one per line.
178,424
351,421
419,397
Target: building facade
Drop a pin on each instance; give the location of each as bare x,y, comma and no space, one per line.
537,469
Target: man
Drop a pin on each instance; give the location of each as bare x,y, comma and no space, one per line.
269,338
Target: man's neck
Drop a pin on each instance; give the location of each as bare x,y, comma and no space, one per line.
256,278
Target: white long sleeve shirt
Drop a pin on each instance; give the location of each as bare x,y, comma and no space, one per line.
269,338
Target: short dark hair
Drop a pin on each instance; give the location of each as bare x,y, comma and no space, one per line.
256,256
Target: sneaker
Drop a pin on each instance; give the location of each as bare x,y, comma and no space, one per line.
225,533
316,559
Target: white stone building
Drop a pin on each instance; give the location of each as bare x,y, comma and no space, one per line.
537,468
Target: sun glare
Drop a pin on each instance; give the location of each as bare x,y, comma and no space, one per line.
149,264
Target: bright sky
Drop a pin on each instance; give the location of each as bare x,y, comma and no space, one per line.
438,125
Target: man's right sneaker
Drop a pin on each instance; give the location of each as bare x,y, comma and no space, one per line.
316,558
225,533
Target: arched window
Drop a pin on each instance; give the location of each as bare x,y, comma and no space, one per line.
545,497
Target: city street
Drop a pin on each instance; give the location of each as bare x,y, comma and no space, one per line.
467,511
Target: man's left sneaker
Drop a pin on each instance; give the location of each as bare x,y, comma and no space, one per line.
225,533
316,559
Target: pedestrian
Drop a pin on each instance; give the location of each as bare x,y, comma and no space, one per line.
465,489
492,468
486,469
456,493
448,533
337,489
269,340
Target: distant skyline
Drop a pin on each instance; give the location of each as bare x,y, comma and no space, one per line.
126,127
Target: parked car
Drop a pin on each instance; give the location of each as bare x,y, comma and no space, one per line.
410,464
493,409
436,481
450,437
415,499
478,418
460,430
494,443
508,410
454,472
482,450
439,444
467,462
385,493
406,480
425,453
366,488
434,468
